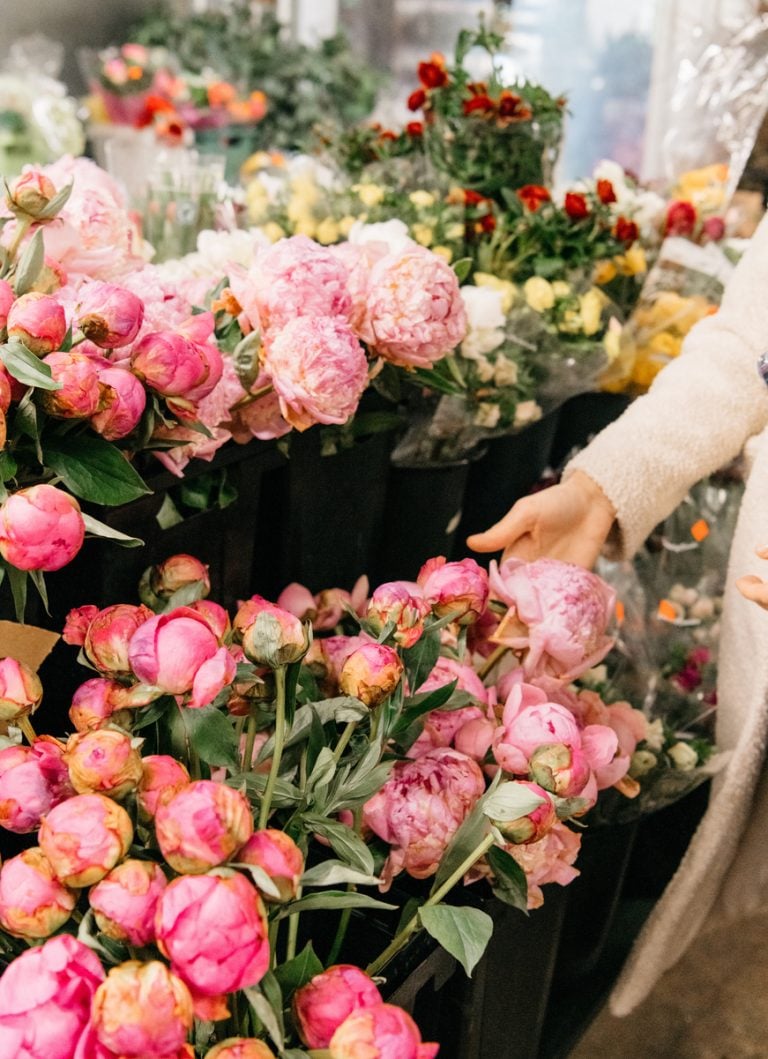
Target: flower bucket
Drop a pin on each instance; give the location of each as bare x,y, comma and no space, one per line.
235,142
582,417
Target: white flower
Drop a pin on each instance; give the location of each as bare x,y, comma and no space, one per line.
527,412
655,734
487,415
642,761
478,343
393,233
484,369
483,307
684,757
505,372
595,676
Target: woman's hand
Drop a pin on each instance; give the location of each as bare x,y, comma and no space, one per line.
751,587
569,521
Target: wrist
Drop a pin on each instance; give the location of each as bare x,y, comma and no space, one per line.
589,488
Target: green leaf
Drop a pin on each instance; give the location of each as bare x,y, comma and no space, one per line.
152,713
510,801
463,932
25,367
345,843
333,872
270,987
261,880
212,735
30,264
58,201
418,705
8,466
100,529
510,883
421,658
168,515
468,837
334,899
18,582
37,577
93,469
298,971
265,1013
462,268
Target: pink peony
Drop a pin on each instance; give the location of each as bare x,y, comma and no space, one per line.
214,931
84,837
142,1009
80,394
38,321
108,635
123,402
277,854
76,624
41,528
564,770
414,313
177,572
441,728
211,678
240,1048
32,191
177,367
7,298
125,901
299,601
535,824
93,704
318,370
326,658
371,673
270,635
32,780
380,1032
550,860
45,1000
530,721
565,611
459,588
475,737
104,761
162,777
446,670
33,903
401,603
320,1006
167,650
109,316
20,690
420,808
202,825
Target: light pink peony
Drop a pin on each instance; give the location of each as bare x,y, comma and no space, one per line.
109,316
41,528
108,635
270,635
33,903
446,670
38,321
240,1048
213,929
550,860
45,1000
279,856
85,837
299,601
565,611
420,808
162,777
530,721
123,402
292,278
380,1032
167,650
459,588
371,673
32,780
414,313
214,615
211,678
262,418
104,761
475,737
142,1009
318,369
403,603
20,690
125,901
320,1006
81,394
441,727
202,825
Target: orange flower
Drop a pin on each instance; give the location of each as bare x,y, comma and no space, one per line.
220,93
605,192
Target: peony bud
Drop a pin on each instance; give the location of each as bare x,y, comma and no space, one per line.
534,825
125,901
38,321
31,192
320,1006
123,400
108,636
33,903
371,673
214,616
180,571
142,1009
167,650
80,394
109,316
402,604
240,1048
84,837
381,1032
7,298
459,589
270,635
103,762
175,366
277,854
564,770
20,690
94,703
162,777
76,624
41,528
202,825
32,780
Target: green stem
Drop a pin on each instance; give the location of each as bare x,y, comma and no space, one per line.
341,746
250,739
253,396
293,930
413,923
26,727
492,661
277,753
194,763
341,933
21,231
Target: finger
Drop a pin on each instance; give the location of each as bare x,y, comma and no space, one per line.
761,553
503,534
524,547
752,588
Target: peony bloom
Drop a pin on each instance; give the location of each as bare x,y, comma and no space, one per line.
530,721
459,588
142,1009
109,316
33,903
45,999
326,658
294,277
420,808
270,635
564,612
20,690
212,677
413,314
167,650
38,321
371,673
176,366
32,780
277,854
76,624
162,777
401,603
122,405
320,1006
84,838
177,572
318,369
108,634
31,192
549,860
299,601
380,1032
240,1048
94,703
41,528
213,929
125,901
80,394
215,616
564,770
202,825
442,727
103,762
446,670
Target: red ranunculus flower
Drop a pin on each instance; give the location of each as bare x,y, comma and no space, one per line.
576,206
532,196
488,223
605,192
417,99
681,218
512,107
433,74
625,230
479,105
387,134
415,128
472,198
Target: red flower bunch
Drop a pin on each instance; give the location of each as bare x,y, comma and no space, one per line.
533,195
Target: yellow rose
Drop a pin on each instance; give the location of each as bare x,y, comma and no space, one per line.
571,323
345,224
538,293
369,194
423,234
328,232
645,371
306,225
605,271
443,252
591,307
507,289
273,231
664,344
561,289
257,200
422,199
612,341
455,231
634,262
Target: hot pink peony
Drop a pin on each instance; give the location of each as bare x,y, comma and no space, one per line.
564,612
459,588
104,761
20,690
371,673
38,321
213,929
528,722
123,400
33,903
202,825
125,901
142,1009
32,780
84,837
80,394
94,703
401,603
320,1006
109,316
167,650
211,678
420,808
277,854
550,860
318,369
41,528
76,624
162,777
176,366
45,1000
214,616
380,1032
108,635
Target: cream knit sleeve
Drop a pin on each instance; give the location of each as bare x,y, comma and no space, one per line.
697,415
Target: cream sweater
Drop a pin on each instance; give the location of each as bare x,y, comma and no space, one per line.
698,415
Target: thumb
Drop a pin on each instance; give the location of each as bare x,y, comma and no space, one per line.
754,589
517,521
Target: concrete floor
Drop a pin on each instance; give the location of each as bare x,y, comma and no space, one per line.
712,1005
